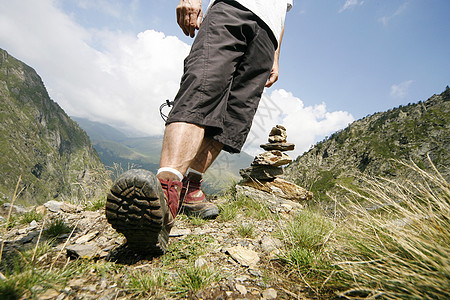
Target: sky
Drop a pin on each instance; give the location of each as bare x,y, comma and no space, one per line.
116,61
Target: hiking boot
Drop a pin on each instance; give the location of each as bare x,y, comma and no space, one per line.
194,201
143,208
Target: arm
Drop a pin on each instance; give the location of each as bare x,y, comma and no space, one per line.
189,16
276,67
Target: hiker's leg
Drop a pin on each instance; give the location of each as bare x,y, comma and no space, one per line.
180,146
207,154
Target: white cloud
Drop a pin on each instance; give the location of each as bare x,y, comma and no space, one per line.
385,19
305,125
401,90
123,85
350,4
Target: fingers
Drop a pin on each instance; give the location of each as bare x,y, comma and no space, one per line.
272,79
189,16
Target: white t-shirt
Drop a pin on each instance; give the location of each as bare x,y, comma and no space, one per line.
272,12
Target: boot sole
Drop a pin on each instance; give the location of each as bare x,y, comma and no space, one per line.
136,208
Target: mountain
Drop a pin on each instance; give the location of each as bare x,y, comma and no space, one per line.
115,148
40,143
369,146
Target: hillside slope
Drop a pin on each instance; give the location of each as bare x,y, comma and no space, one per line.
368,146
39,142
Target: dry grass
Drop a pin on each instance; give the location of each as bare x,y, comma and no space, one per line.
401,249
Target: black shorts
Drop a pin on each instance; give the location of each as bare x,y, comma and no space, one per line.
224,74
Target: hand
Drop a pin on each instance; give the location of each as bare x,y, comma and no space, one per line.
273,73
189,16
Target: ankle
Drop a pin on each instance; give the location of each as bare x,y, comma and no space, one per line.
194,176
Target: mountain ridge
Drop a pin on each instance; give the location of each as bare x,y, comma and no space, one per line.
40,143
368,146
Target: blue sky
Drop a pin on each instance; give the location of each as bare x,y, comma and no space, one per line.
116,61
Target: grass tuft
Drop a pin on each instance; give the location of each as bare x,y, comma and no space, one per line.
57,227
31,216
193,279
402,249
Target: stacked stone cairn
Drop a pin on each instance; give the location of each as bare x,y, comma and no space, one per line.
267,168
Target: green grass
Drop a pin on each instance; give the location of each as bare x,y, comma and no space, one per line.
244,205
148,284
246,230
304,254
56,228
190,248
31,216
95,204
192,279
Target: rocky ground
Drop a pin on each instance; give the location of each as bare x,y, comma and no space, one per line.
240,253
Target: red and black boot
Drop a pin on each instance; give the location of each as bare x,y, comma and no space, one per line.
143,208
194,201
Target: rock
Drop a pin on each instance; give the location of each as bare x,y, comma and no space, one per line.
200,262
49,294
282,188
245,257
241,289
83,251
270,294
33,225
277,139
41,209
269,244
278,146
278,134
15,208
175,232
273,158
261,172
70,208
86,238
53,206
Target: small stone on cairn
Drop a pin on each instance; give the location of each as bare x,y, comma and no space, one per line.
264,172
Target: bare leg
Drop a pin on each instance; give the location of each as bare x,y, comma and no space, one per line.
181,143
209,150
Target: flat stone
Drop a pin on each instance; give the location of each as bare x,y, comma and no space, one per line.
278,146
274,158
281,188
70,208
86,238
82,251
245,257
261,172
270,294
53,206
269,244
175,232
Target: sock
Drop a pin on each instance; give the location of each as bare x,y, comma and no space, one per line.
171,170
190,170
